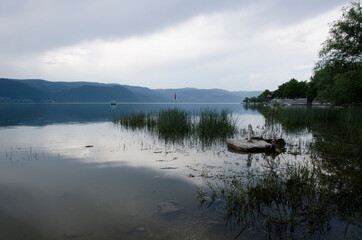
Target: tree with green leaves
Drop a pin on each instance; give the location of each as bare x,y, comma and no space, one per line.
246,100
279,93
264,96
344,44
291,89
338,73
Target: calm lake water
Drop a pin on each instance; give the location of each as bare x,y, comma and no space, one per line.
68,172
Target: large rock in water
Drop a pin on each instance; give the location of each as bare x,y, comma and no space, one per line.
253,145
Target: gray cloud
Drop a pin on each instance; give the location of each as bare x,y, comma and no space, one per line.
35,30
37,25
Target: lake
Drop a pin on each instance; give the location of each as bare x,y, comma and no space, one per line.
68,171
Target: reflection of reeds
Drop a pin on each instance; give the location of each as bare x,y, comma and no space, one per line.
347,122
338,133
285,201
171,124
136,120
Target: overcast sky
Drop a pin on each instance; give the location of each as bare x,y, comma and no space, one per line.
228,44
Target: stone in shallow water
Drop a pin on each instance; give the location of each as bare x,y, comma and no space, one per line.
244,145
169,207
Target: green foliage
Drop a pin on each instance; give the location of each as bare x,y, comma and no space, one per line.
253,99
292,89
295,89
344,43
347,87
264,96
279,93
339,85
338,73
311,90
261,98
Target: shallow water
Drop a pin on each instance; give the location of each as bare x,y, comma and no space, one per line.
68,172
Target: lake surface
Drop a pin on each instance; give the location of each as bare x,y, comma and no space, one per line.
68,172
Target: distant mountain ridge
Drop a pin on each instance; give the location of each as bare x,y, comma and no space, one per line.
38,90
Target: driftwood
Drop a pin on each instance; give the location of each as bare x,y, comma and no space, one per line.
256,144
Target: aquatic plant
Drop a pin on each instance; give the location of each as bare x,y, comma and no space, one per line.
214,124
173,123
176,124
284,202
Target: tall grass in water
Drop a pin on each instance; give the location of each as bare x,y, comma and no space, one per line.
213,124
285,202
171,124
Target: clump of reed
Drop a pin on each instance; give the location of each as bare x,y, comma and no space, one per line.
176,124
284,202
213,124
173,122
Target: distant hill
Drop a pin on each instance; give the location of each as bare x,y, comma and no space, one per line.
38,90
147,95
201,95
55,89
89,93
16,91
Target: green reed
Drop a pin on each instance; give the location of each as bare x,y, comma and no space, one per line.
284,202
172,124
213,124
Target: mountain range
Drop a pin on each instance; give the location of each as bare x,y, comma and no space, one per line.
37,90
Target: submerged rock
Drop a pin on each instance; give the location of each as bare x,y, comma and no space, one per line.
169,207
